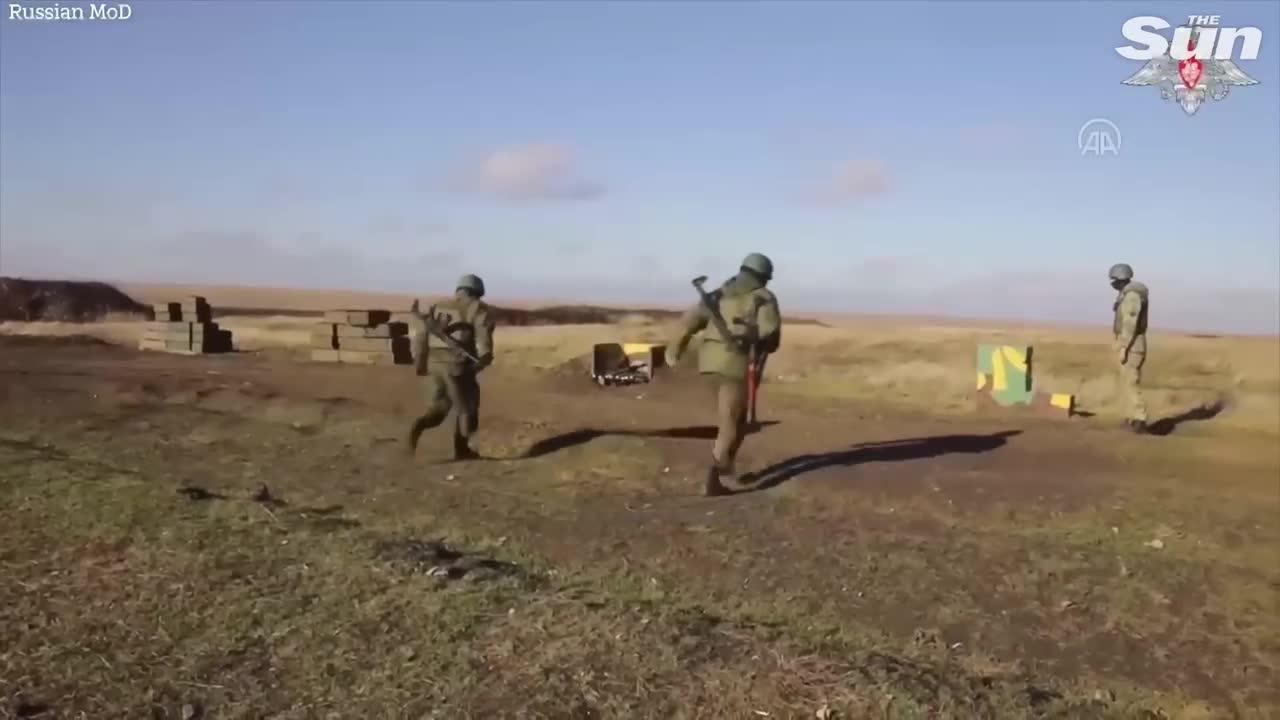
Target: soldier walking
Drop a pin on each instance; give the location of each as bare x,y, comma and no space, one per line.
750,313
1129,329
450,369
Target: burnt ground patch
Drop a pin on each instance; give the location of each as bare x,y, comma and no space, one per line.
435,558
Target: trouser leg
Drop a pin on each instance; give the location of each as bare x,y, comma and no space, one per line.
466,398
439,403
1131,386
731,408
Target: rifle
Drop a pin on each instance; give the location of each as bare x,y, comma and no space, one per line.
755,360
717,320
433,327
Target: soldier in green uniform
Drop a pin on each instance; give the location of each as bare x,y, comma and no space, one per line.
1129,329
450,378
751,313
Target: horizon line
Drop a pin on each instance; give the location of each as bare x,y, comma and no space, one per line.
993,322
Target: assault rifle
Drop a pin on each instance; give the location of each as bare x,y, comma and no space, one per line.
432,325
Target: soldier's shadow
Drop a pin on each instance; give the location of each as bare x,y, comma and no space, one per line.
563,441
887,451
1167,425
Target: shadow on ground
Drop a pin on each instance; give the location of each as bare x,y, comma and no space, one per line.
1166,426
563,441
887,451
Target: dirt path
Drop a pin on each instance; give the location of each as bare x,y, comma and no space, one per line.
1009,543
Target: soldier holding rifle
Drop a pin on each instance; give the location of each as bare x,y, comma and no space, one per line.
745,327
453,344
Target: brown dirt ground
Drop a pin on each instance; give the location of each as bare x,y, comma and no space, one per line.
991,537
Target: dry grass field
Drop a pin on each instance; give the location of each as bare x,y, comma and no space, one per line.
242,535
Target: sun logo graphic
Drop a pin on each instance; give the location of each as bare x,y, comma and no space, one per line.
1196,65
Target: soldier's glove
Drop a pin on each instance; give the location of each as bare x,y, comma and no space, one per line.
485,361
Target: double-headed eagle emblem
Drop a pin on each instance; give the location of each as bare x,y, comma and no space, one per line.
1188,82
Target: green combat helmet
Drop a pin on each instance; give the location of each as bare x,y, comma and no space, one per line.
1121,271
472,283
759,264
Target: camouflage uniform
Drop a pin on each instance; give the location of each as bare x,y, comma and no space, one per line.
739,299
1129,329
450,380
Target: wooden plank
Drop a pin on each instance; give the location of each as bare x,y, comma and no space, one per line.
355,357
391,345
204,330
385,330
323,342
200,314
171,334
324,336
174,326
360,357
168,312
181,331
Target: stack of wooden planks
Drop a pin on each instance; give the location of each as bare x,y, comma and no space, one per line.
187,328
362,337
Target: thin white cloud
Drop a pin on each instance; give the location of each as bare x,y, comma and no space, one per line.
536,171
850,182
392,225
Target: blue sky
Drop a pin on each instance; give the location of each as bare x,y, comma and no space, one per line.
915,157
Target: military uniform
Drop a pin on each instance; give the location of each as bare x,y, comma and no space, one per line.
743,302
450,378
1129,330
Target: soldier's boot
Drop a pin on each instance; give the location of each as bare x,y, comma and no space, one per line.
462,449
1137,426
713,486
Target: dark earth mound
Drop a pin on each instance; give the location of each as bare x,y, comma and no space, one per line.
64,301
